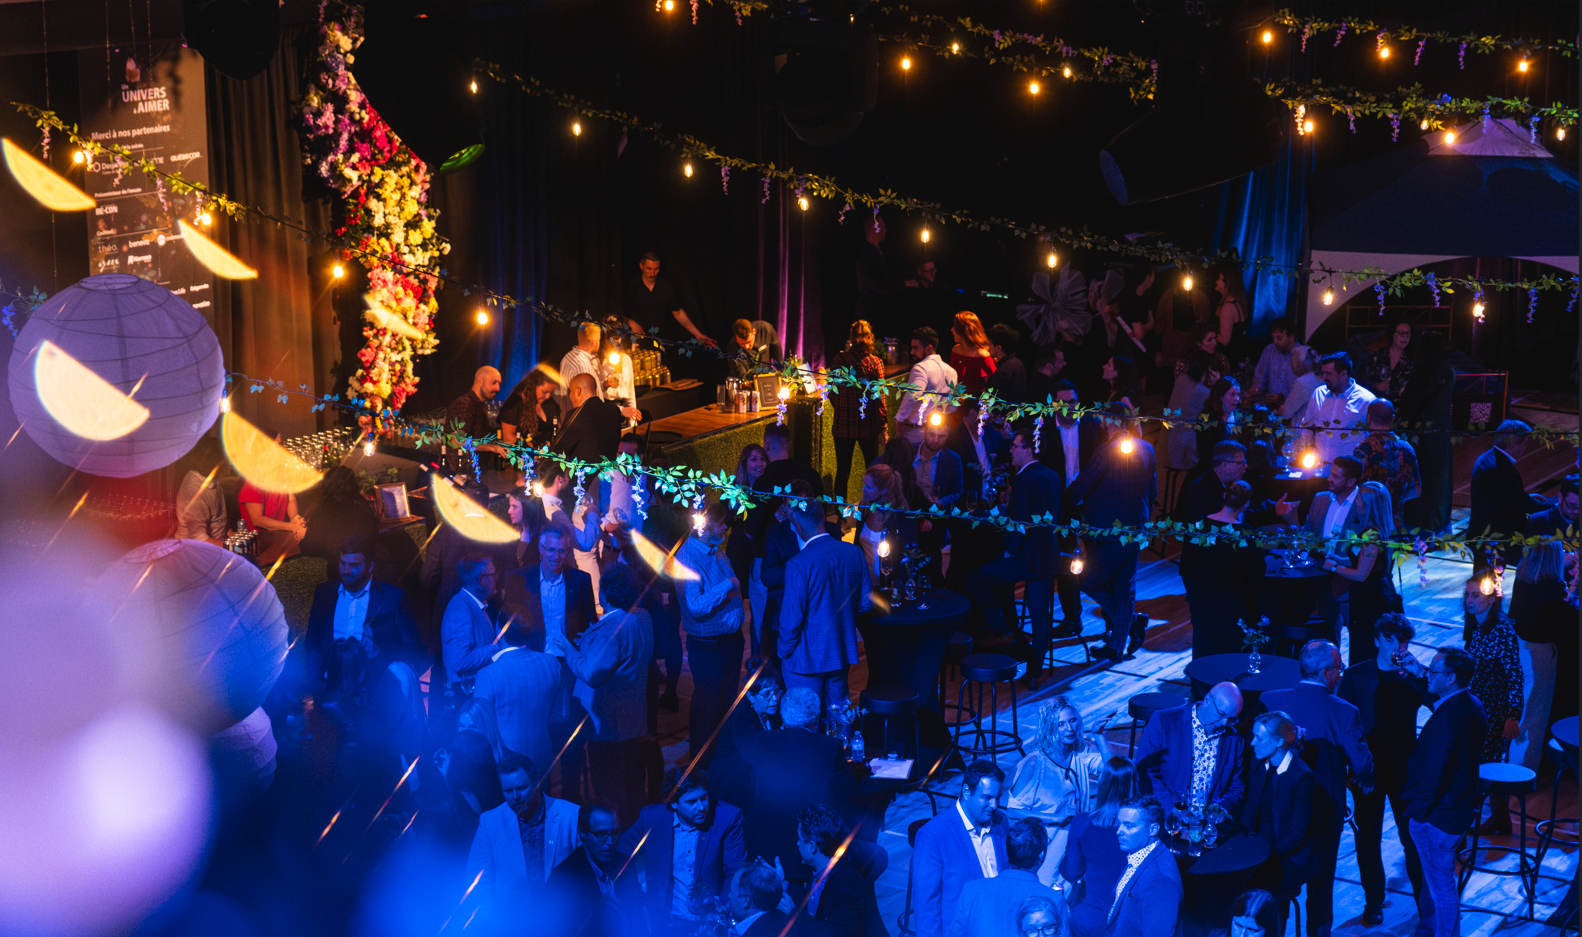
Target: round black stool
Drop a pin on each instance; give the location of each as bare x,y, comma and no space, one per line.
1295,637
1548,835
903,923
1501,780
1143,706
989,670
959,646
888,702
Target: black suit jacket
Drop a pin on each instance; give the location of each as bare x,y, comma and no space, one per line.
1035,493
843,904
779,545
721,851
793,768
591,432
389,620
1052,449
578,909
1291,840
1550,523
521,587
1333,744
1442,776
780,472
1206,495
1499,500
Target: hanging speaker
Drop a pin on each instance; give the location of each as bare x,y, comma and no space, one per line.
237,37
413,67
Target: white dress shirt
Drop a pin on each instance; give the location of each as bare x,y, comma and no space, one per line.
552,599
1338,421
982,843
587,535
1071,448
1285,762
934,376
870,546
351,612
1338,512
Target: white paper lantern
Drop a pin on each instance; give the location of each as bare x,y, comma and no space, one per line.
125,329
215,629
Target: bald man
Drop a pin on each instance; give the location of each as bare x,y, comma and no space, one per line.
468,415
591,431
1193,752
1390,460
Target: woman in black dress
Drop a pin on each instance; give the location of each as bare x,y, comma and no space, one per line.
530,414
1093,862
1387,371
1222,578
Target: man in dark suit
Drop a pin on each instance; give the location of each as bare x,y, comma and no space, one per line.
827,587
1387,691
1068,443
1166,754
1148,896
988,906
758,901
1333,747
569,596
780,545
939,475
794,766
692,826
592,430
1031,557
1279,809
594,892
1206,495
1118,485
1558,519
838,897
960,845
522,684
1499,499
1441,793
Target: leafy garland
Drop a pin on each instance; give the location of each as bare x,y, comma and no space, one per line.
1308,26
384,191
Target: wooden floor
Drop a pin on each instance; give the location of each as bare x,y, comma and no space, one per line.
1490,904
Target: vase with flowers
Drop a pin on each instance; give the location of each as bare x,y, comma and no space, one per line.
1254,637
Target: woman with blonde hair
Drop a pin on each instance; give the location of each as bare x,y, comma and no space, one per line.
1058,779
859,421
973,356
883,498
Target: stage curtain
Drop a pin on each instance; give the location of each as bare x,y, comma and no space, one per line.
1260,215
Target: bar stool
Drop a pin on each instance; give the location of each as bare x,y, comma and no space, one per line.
1142,707
1500,780
888,702
959,646
1295,637
989,670
1548,835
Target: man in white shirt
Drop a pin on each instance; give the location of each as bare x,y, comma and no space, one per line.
583,359
946,847
1336,420
933,377
712,616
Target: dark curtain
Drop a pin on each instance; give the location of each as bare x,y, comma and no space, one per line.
1260,216
282,325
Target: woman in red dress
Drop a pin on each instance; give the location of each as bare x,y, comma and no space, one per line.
972,357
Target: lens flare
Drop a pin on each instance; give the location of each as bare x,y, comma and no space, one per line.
1309,459
43,183
221,262
470,519
261,460
389,321
82,401
660,561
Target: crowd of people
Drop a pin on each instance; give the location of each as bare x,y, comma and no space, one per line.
554,656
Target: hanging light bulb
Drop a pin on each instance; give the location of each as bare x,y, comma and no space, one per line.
955,47
925,235
699,521
225,404
1477,310
538,489
1309,459
670,5
368,448
906,63
1384,52
1329,297
1126,444
1486,586
337,271
474,87
801,202
78,157
1032,87
1560,133
1423,125
205,219
483,317
615,358
1522,65
884,548
1051,260
1186,283
1450,136
686,169
1066,71
1268,37
576,128
1076,565
784,393
1307,126
936,418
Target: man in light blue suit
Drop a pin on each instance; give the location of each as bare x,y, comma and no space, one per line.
826,588
988,906
961,844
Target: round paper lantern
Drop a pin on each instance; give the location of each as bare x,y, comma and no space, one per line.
213,626
126,330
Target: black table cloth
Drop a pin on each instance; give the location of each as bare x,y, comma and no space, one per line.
1211,882
906,646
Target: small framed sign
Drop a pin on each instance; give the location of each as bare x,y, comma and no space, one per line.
768,386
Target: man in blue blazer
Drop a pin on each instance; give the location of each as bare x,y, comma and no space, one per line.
826,588
1031,557
1441,792
1165,759
692,824
1335,749
988,906
1117,486
1148,896
961,844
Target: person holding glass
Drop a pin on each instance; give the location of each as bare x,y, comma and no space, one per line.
1057,781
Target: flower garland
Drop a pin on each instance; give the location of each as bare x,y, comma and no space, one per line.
385,213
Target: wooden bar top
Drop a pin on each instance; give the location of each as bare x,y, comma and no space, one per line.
705,420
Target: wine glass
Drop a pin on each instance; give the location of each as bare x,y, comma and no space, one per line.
922,590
